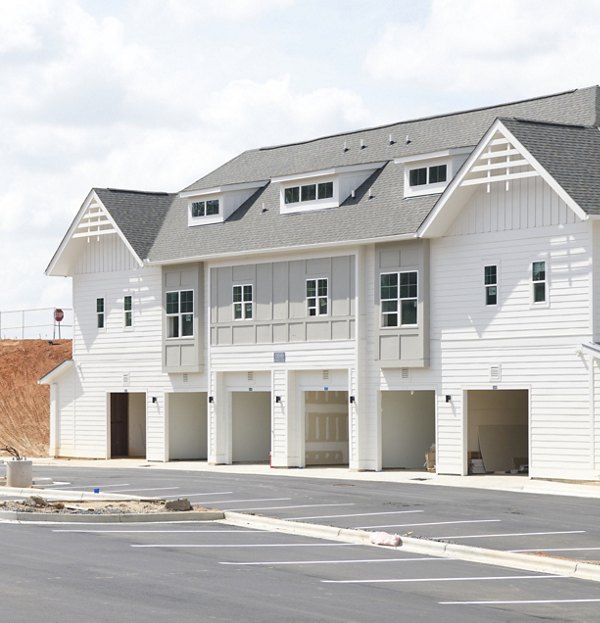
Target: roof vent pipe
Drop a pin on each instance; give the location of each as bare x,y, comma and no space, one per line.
362,143
345,145
391,140
407,140
371,193
353,194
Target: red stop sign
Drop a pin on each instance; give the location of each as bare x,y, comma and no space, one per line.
59,314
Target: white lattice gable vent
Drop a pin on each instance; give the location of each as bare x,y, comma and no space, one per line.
94,222
500,161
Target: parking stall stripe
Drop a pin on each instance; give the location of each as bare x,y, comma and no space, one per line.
230,501
150,489
484,536
271,508
435,523
239,531
355,515
332,562
519,601
556,549
469,579
215,546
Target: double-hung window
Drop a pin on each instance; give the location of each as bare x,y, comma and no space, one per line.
490,279
538,282
316,297
127,311
100,313
242,302
180,313
398,294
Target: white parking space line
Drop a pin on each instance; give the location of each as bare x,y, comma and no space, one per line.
215,546
435,523
150,489
272,508
484,536
353,514
469,579
81,487
557,549
240,501
332,562
215,531
520,601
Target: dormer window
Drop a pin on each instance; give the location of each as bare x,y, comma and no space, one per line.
428,174
308,192
205,208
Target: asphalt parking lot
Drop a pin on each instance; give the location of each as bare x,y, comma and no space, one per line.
555,525
205,571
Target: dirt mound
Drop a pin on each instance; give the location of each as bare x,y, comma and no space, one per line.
25,405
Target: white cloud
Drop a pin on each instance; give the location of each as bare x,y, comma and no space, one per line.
484,46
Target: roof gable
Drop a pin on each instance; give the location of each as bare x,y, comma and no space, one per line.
92,221
499,158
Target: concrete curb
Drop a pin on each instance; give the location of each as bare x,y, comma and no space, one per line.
173,516
65,496
512,560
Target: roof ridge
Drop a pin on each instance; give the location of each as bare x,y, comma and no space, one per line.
417,120
136,192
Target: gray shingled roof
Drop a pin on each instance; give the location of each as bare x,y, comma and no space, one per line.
571,154
139,215
258,225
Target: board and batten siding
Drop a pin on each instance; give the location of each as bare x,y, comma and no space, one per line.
280,312
515,344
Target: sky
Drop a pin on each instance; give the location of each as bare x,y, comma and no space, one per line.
154,94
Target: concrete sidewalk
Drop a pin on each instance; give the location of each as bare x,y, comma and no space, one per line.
511,483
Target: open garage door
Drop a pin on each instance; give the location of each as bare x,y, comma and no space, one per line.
498,430
326,428
187,426
128,424
250,427
407,428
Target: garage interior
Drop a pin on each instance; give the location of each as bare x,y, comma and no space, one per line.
128,425
250,427
188,426
326,428
498,431
407,428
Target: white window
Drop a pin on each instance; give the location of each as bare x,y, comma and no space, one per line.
398,295
180,313
428,175
490,280
538,282
127,311
205,208
100,313
316,297
242,302
308,192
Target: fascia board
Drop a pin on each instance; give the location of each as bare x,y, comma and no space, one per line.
278,250
222,189
331,171
454,151
59,370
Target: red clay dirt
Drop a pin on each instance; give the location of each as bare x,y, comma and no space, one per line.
25,405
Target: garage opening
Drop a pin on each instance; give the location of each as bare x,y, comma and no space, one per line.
407,428
498,431
128,425
250,427
326,428
188,438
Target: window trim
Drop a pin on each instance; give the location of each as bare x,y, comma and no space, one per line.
486,285
101,314
128,313
399,301
179,315
317,297
242,302
545,281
